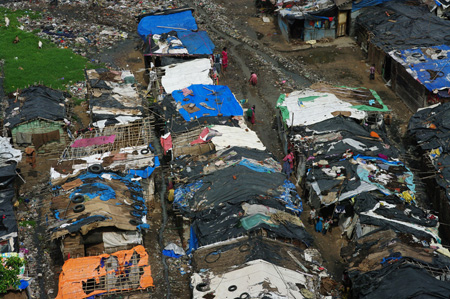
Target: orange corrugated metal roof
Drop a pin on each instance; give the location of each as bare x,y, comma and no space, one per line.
119,276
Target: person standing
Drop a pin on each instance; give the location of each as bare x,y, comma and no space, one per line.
312,215
250,113
253,79
326,226
319,224
372,72
224,59
6,22
288,164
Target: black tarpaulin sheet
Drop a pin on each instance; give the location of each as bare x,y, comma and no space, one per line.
8,223
398,281
175,123
232,154
237,184
431,129
40,101
223,223
399,25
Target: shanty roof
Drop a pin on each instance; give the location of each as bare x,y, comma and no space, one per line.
255,278
398,25
431,127
35,102
125,270
109,199
163,23
206,100
181,75
428,65
114,98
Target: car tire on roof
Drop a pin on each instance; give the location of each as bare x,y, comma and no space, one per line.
96,168
78,198
79,208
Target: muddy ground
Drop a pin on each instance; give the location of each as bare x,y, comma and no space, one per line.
253,45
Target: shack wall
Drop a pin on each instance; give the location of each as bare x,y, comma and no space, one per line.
284,27
411,91
40,126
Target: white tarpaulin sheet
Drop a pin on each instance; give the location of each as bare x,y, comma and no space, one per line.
181,75
255,278
308,107
236,136
113,239
8,153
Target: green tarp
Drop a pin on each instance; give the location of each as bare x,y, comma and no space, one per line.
255,220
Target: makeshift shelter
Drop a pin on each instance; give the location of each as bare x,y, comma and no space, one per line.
86,204
429,67
36,116
172,33
189,110
265,201
307,20
119,272
113,98
181,75
429,127
379,258
8,223
122,147
394,26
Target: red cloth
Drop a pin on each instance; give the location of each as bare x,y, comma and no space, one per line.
166,142
202,137
224,59
94,141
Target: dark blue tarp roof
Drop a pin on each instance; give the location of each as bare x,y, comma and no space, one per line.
432,73
157,24
197,43
366,3
223,101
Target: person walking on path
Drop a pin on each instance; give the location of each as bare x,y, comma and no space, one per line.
372,72
288,164
224,59
253,79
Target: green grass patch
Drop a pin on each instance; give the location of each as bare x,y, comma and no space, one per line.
26,64
77,101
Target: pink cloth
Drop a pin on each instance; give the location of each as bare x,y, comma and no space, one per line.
94,141
166,142
186,91
202,137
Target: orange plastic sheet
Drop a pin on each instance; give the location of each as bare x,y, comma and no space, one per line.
88,276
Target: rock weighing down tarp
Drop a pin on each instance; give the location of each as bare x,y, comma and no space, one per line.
120,271
430,66
206,100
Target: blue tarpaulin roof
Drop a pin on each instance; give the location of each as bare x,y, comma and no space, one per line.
366,3
434,74
217,98
159,24
197,43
